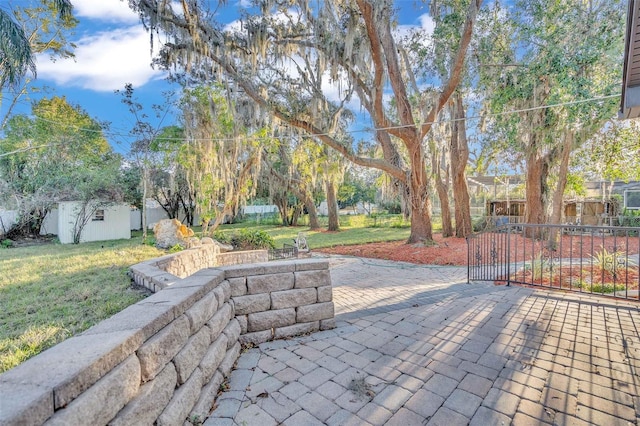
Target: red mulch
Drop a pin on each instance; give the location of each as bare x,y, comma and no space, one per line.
446,251
453,251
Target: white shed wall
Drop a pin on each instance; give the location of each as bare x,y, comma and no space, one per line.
116,224
50,223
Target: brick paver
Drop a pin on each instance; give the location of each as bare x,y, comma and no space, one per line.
418,345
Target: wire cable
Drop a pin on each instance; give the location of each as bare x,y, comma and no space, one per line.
363,130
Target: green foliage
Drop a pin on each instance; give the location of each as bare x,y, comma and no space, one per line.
6,243
482,223
600,288
613,262
176,248
33,30
57,154
252,239
538,266
542,52
606,155
221,236
220,161
348,235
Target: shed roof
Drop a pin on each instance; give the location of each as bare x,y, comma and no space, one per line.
630,100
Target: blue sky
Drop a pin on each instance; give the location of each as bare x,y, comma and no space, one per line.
114,49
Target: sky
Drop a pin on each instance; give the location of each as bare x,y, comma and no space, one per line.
113,49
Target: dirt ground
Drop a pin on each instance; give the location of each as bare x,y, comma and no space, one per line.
453,251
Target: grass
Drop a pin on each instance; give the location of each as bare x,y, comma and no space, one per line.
320,239
51,292
356,229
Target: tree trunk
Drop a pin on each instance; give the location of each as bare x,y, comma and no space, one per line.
563,172
443,195
332,205
314,223
145,177
558,194
296,211
283,207
459,155
537,190
419,195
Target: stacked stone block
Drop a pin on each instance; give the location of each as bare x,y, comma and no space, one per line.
290,299
163,359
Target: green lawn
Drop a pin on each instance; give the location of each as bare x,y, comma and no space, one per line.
50,292
53,291
320,239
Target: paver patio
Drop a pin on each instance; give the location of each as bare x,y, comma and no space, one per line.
417,345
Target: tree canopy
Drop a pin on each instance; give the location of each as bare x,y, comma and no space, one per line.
282,55
58,154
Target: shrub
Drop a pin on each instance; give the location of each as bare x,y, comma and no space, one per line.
248,239
6,243
613,262
221,237
481,224
176,248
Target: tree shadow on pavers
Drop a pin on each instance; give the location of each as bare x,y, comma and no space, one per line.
426,297
424,355
519,353
572,358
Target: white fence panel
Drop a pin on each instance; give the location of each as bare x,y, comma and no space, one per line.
7,219
135,219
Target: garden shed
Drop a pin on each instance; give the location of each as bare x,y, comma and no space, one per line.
506,211
102,221
589,212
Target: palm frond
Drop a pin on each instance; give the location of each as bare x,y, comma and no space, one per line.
16,57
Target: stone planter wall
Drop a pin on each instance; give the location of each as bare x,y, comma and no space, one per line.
156,274
163,359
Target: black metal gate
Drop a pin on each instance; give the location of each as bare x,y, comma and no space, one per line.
588,259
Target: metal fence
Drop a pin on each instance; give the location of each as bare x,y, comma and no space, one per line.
287,251
598,260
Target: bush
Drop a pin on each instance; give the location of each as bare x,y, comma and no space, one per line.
176,248
221,237
248,239
6,243
481,224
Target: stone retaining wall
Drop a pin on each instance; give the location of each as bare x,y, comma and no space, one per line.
163,359
187,262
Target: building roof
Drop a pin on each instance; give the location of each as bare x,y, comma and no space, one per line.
630,100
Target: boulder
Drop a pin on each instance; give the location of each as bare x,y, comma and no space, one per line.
169,232
223,247
193,242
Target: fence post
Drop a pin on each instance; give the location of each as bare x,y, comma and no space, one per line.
468,260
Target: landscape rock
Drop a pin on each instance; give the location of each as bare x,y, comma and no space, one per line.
169,232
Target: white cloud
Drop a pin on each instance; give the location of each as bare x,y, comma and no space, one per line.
104,61
105,10
426,26
245,4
